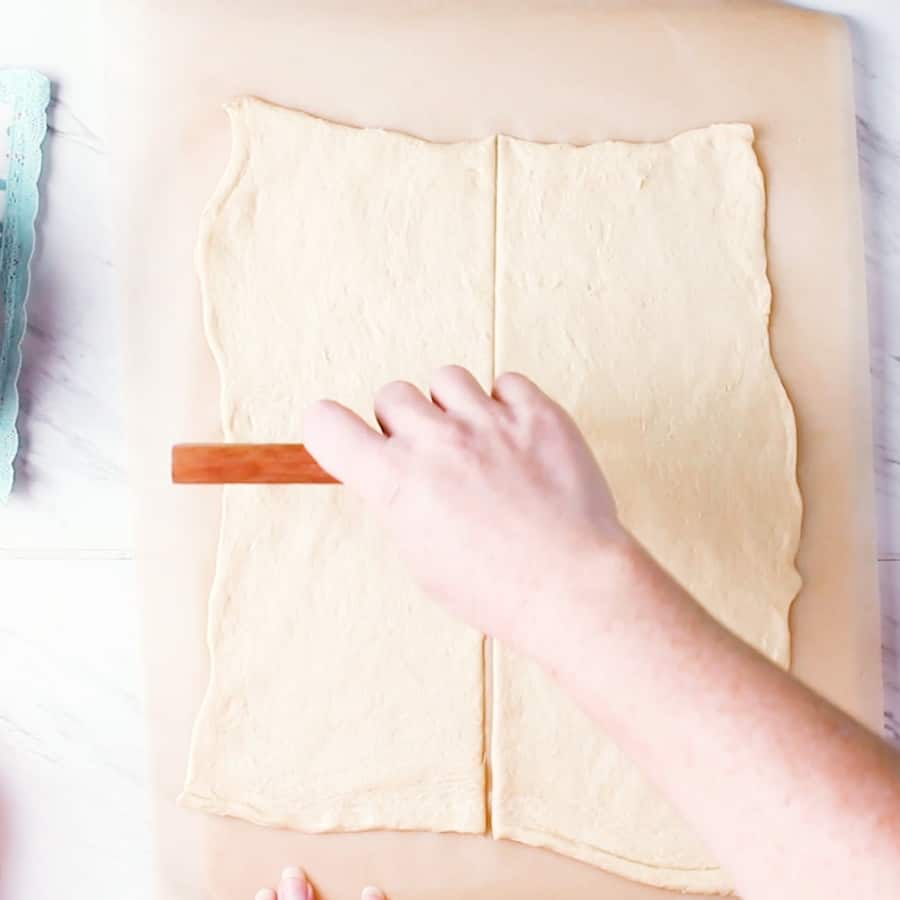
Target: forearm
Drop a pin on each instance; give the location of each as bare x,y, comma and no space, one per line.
725,733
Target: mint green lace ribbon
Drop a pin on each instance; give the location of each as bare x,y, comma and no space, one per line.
24,96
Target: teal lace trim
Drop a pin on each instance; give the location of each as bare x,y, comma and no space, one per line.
24,96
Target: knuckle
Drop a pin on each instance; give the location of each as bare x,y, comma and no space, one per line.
549,418
457,438
553,412
387,484
456,434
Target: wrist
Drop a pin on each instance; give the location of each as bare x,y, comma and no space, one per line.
592,605
628,634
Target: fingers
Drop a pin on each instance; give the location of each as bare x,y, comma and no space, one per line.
347,448
455,390
515,390
401,406
294,886
344,445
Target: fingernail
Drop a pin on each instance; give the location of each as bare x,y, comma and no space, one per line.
266,894
293,885
371,893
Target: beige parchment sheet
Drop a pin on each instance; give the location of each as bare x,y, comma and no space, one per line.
552,71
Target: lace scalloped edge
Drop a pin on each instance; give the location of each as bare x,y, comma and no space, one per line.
28,93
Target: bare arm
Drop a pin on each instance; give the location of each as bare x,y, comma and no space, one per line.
795,798
504,516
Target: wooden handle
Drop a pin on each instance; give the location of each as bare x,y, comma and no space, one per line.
246,464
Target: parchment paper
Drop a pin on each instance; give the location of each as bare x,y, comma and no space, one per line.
573,72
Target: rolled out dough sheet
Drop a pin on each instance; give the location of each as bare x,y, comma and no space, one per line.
631,282
339,699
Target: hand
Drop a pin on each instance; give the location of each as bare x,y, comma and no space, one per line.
504,516
294,886
496,502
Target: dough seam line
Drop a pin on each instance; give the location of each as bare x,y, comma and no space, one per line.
488,645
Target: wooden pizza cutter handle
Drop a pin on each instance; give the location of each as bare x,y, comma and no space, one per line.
246,464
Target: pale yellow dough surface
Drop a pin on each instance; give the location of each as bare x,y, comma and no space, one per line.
631,282
339,698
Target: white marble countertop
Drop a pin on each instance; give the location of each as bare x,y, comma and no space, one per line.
74,819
